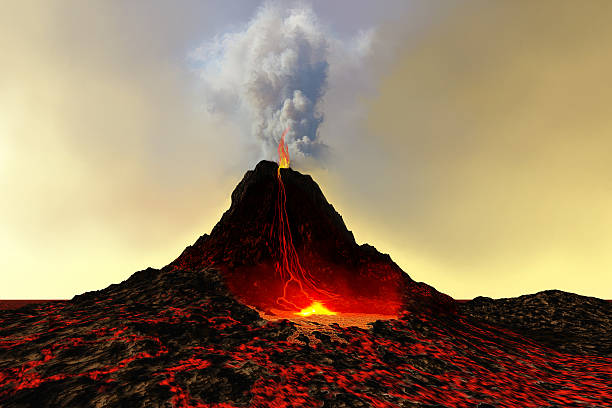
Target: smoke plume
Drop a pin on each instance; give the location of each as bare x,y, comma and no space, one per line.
273,73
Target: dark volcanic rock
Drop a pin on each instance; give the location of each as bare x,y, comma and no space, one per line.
243,245
564,321
128,344
162,339
242,236
180,337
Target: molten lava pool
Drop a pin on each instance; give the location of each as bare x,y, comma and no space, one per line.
341,319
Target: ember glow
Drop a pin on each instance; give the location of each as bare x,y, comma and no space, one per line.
418,361
299,287
315,308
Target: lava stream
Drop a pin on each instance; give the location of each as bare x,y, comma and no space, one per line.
288,265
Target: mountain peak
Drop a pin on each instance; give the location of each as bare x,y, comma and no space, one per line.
245,247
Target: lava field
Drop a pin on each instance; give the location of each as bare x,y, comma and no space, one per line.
176,338
202,331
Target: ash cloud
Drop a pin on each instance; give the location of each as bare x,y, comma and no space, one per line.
273,73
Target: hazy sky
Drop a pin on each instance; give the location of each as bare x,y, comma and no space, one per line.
470,140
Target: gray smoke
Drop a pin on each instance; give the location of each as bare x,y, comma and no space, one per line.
273,74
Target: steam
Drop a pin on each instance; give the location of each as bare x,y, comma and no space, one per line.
273,74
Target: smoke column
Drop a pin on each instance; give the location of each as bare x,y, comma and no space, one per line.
273,73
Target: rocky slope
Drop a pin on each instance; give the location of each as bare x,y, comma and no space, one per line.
183,336
243,247
178,338
564,321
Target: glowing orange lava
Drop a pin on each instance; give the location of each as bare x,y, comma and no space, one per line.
315,308
283,153
299,287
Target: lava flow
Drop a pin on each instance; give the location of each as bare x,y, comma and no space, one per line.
299,287
183,336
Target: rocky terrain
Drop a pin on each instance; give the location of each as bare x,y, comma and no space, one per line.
178,338
243,247
186,336
564,321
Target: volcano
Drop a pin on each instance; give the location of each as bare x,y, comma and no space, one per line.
242,246
228,324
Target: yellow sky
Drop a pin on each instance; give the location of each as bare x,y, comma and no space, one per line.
496,129
480,160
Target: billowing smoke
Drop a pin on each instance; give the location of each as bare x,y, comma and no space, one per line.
273,73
